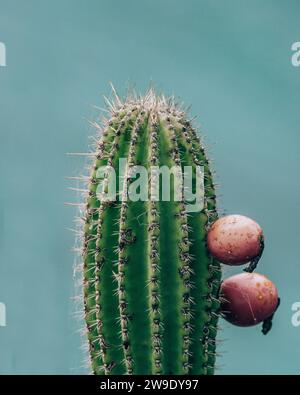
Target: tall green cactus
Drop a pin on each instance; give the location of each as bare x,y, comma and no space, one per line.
150,285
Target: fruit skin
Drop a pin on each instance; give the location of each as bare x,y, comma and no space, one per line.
150,285
248,299
235,240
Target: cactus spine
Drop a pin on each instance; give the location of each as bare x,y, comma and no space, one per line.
150,285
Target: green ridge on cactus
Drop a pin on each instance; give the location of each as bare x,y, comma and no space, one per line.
150,285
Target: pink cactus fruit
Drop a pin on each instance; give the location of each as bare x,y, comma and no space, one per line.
235,240
248,299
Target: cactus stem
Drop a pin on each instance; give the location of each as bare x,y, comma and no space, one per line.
151,300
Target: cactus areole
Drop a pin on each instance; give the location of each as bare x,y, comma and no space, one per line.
150,285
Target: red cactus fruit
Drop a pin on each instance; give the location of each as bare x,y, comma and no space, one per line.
248,299
235,240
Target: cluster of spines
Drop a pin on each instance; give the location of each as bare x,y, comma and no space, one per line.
174,121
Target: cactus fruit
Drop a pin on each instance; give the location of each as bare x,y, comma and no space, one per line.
248,299
150,284
235,240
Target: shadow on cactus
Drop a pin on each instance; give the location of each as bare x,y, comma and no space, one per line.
150,283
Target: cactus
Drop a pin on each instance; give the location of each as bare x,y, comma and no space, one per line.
150,285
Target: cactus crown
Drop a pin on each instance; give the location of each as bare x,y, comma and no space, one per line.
150,286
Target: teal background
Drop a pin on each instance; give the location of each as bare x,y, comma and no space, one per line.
231,60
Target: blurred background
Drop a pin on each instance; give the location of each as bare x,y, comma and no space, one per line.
232,61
